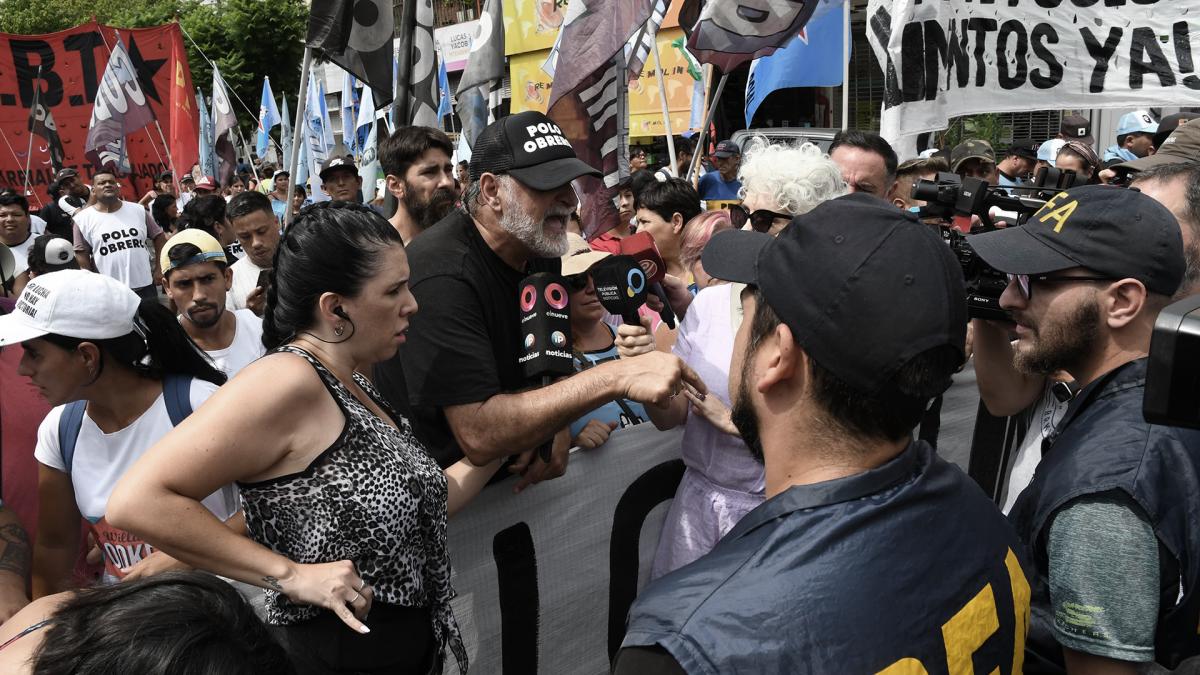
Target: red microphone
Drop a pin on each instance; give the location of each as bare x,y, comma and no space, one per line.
641,248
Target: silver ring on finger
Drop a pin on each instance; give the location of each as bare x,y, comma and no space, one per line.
362,583
355,599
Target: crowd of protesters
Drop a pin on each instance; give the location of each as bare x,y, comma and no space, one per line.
238,443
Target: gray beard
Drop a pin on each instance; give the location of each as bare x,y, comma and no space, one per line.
533,234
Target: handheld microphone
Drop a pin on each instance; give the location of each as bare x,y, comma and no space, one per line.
546,327
620,286
640,247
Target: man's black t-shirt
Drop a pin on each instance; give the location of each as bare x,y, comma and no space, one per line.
464,340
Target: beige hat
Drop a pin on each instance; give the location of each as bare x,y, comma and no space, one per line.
579,257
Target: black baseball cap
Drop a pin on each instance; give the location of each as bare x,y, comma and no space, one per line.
727,149
863,286
1117,232
1077,128
528,147
1024,147
166,175
336,163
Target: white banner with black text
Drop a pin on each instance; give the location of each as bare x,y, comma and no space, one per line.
946,58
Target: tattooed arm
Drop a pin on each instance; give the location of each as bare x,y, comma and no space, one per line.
14,565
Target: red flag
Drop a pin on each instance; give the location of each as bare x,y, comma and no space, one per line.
185,124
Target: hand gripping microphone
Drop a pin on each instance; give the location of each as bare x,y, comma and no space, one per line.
546,332
641,248
621,286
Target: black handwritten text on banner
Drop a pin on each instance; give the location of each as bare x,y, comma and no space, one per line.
943,58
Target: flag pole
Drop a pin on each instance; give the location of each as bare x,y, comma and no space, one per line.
294,160
845,65
37,90
662,96
170,160
712,109
249,159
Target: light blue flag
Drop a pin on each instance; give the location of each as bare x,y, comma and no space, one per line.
443,83
350,106
814,58
208,158
268,117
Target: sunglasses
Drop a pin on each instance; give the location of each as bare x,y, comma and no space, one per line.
1025,281
577,282
760,221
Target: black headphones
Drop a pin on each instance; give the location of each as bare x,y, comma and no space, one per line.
341,312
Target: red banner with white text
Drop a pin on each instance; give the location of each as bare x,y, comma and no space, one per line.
72,64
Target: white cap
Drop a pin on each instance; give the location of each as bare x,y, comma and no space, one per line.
1048,151
71,303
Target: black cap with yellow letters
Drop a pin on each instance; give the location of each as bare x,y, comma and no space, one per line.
1117,232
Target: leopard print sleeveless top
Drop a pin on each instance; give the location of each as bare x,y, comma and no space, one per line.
374,497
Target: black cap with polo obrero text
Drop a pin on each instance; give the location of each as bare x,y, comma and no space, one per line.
530,148
1116,232
863,286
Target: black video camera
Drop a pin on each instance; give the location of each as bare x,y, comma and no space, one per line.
1172,394
954,200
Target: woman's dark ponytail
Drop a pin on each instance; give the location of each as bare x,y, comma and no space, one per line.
331,247
169,348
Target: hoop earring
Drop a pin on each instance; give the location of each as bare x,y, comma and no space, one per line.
339,329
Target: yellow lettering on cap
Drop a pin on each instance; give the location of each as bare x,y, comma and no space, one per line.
1059,214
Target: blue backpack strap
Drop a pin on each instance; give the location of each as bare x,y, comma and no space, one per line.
177,390
68,431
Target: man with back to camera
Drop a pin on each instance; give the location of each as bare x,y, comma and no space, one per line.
196,278
416,161
867,161
110,238
252,221
871,553
467,390
340,180
1135,138
722,185
1111,516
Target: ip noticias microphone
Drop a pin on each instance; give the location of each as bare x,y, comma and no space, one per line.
620,286
546,330
641,248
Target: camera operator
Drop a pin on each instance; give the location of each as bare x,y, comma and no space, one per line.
1110,517
1082,159
1016,167
907,175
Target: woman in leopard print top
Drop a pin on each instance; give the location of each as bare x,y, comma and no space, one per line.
345,511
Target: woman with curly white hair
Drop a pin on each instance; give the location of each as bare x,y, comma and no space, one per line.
723,481
780,182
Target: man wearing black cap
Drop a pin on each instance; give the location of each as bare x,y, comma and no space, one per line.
722,184
340,180
1076,128
871,554
463,378
1018,163
1112,515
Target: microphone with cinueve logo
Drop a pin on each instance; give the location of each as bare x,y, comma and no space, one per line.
546,332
